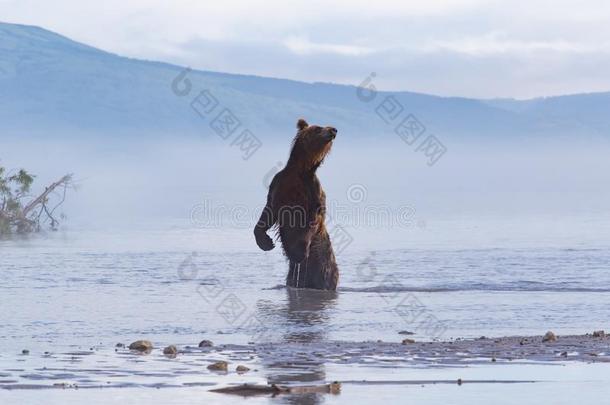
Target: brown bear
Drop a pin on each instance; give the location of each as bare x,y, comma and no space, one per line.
296,206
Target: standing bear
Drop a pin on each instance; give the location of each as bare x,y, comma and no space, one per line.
296,205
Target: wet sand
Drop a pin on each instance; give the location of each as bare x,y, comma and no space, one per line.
290,363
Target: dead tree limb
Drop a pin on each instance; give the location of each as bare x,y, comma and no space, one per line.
42,198
20,218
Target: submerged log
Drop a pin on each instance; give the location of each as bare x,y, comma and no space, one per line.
247,390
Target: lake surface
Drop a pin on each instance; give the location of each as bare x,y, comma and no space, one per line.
77,291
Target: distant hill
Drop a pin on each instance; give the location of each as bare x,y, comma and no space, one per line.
50,83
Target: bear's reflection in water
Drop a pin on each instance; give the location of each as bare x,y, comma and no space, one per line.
302,318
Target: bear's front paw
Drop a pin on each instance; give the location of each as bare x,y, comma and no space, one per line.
264,241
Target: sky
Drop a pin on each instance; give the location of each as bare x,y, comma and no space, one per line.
469,48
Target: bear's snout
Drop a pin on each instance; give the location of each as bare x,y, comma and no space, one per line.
331,133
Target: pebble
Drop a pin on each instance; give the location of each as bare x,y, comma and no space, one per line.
170,350
549,337
219,366
206,343
141,346
242,369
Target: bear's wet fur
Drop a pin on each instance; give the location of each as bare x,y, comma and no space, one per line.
296,208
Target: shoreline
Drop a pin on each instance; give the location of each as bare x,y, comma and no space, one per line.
292,363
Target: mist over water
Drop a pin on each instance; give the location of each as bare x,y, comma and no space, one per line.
497,187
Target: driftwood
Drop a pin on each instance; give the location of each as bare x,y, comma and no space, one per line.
247,390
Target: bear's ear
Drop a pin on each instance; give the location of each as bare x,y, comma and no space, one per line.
302,124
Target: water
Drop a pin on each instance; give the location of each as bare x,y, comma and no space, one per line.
76,293
85,287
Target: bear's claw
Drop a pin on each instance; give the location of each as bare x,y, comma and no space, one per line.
264,241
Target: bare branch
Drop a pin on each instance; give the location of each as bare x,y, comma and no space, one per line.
42,197
14,216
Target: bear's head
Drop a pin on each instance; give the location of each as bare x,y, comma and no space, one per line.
311,145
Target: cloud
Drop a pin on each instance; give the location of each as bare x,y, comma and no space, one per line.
454,47
303,46
497,43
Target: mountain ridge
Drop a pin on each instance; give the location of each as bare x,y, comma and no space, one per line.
49,82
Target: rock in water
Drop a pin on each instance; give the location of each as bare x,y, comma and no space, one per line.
206,343
242,369
599,334
549,337
144,346
408,341
170,350
219,366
